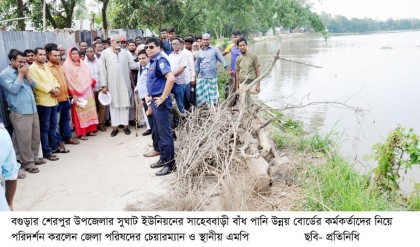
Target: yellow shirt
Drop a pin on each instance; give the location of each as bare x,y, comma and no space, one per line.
45,83
228,47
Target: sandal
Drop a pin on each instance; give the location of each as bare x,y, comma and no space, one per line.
32,169
40,162
91,134
84,138
60,151
52,157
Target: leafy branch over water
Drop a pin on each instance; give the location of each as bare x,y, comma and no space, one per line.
400,151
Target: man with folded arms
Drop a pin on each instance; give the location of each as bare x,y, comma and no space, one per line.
46,92
64,130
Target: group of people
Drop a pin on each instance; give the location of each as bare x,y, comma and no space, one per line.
48,93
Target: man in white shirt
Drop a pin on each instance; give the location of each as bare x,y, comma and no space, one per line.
190,73
179,65
94,65
115,66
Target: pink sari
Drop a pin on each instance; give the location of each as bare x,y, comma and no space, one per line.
80,83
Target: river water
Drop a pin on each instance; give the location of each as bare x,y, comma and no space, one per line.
379,73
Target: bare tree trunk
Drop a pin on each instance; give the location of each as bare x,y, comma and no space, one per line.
104,16
92,21
21,23
44,21
47,15
215,31
69,13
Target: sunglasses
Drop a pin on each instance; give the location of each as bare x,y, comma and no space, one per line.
151,47
118,42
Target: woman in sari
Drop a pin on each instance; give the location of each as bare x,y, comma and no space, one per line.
80,84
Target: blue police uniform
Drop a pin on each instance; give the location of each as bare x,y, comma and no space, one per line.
156,82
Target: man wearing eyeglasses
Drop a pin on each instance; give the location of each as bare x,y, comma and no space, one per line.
179,62
62,51
115,79
159,86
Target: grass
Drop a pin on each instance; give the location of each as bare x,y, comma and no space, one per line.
317,143
336,186
222,80
328,181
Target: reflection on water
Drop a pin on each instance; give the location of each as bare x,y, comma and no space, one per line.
378,73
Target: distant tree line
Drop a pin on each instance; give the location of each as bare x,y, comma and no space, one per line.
340,24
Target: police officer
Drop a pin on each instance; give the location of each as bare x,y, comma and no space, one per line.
159,85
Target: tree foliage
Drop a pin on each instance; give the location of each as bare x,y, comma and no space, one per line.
10,9
340,24
59,14
144,13
400,151
218,17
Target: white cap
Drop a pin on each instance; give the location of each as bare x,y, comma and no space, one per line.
104,98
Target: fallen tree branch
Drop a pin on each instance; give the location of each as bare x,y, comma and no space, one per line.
299,62
288,107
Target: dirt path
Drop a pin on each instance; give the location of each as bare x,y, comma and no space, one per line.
100,174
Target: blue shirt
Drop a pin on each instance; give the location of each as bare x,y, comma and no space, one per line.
3,108
234,54
156,81
207,62
8,165
20,97
167,48
142,82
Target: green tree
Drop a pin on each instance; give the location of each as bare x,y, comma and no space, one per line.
340,24
150,13
10,9
218,17
59,14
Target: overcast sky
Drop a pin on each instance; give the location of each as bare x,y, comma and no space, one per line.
376,9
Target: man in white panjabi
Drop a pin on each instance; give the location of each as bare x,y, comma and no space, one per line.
115,79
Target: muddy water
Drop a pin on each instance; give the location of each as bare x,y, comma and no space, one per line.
379,73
